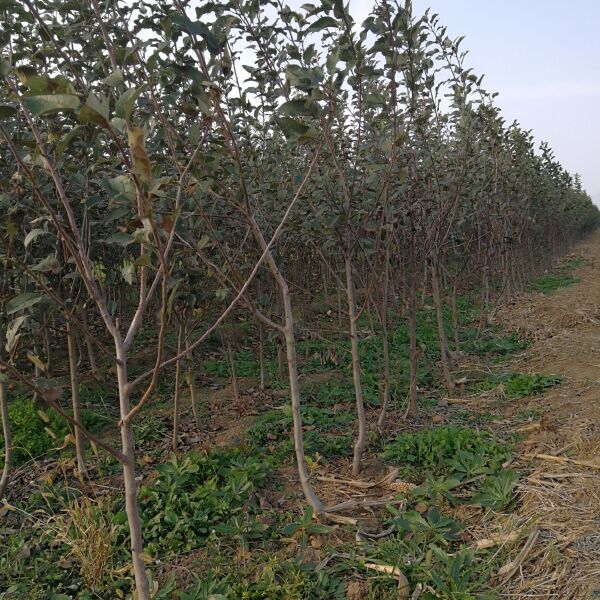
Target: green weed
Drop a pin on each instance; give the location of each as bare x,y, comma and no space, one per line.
197,495
437,450
550,283
519,385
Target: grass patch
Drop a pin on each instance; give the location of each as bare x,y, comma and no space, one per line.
327,432
550,283
519,385
573,263
37,431
494,344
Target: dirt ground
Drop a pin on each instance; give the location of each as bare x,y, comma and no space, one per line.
560,496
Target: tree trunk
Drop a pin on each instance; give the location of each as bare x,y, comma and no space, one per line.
338,293
292,363
191,381
37,373
90,347
46,342
385,396
455,319
131,506
361,439
261,356
413,408
231,360
485,300
79,439
176,395
279,344
439,314
8,449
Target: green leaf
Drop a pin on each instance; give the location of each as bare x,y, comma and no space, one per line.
64,143
49,264
122,185
4,67
299,108
95,110
198,28
143,261
22,302
51,103
322,23
6,111
126,102
115,77
338,8
295,130
120,238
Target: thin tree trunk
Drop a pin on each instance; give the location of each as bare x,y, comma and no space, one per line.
79,352
8,449
325,275
413,408
485,300
292,362
338,293
361,439
444,350
131,506
46,342
261,356
7,438
385,396
176,395
79,439
90,347
37,373
279,344
455,319
191,381
231,360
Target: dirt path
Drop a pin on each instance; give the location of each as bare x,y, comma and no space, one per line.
561,495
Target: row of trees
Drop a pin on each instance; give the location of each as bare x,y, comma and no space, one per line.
170,165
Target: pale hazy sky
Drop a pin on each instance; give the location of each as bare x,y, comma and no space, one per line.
543,57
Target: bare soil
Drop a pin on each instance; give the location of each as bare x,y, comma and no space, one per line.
561,493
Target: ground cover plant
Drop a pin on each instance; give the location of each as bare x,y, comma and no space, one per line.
248,251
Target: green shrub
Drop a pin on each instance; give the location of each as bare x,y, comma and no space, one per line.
328,431
281,580
496,345
34,432
438,450
199,495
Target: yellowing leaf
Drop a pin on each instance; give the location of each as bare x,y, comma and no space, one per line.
36,361
141,163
